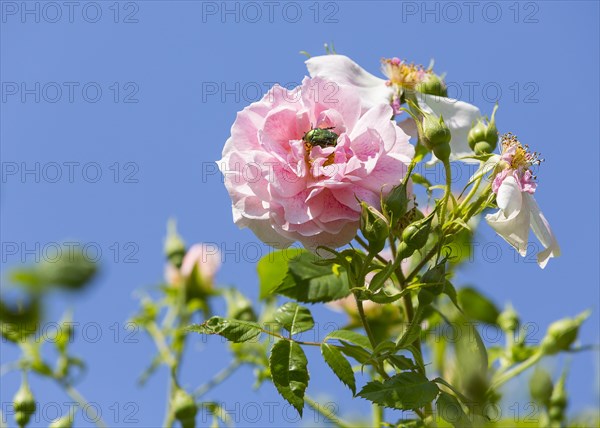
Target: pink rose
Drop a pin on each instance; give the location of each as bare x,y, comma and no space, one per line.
287,190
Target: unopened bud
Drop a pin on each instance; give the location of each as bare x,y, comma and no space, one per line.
396,202
436,136
483,137
561,334
174,245
508,320
432,84
24,404
415,235
184,408
374,227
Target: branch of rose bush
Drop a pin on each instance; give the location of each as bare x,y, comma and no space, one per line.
330,416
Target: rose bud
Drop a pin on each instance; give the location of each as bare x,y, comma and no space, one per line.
483,138
561,334
184,408
508,320
174,246
374,227
414,236
436,136
24,404
432,84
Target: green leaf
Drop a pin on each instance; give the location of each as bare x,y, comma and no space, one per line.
419,179
273,268
68,267
289,373
340,365
476,306
294,318
451,411
472,361
233,330
541,386
404,391
309,282
21,320
470,349
356,352
450,291
353,344
460,247
350,337
401,362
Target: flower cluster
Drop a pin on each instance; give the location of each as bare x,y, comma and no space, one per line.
327,146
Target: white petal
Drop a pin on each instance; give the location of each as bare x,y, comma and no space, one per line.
342,70
514,227
509,197
541,229
459,116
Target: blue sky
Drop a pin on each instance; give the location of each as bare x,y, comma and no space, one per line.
118,109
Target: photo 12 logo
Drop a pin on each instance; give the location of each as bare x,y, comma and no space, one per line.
69,172
54,12
453,12
89,92
252,12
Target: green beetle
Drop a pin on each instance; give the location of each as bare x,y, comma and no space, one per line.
322,137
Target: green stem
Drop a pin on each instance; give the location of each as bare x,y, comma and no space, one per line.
364,244
422,263
530,362
367,327
330,416
377,415
365,322
161,344
177,317
279,336
83,403
218,378
169,419
474,208
471,193
447,192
